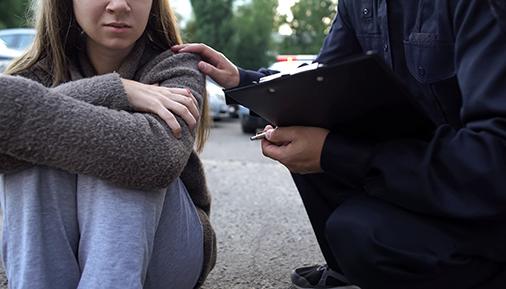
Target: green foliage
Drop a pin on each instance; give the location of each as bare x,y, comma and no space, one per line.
212,23
310,23
252,41
13,13
243,34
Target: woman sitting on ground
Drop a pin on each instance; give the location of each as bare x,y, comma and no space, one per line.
101,185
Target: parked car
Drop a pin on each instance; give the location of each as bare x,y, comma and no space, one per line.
6,55
13,42
18,39
284,63
218,107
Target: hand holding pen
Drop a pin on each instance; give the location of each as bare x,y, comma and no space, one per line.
259,136
262,135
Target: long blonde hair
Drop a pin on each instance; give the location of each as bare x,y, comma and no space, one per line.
58,33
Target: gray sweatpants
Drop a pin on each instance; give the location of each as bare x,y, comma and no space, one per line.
67,231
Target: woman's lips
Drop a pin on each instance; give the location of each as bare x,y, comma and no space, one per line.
117,27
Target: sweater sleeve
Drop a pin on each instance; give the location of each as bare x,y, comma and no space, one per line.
45,126
104,90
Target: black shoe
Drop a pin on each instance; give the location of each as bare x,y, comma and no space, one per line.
319,277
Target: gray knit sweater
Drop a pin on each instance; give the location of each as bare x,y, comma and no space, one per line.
85,126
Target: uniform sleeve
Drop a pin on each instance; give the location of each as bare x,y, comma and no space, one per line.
460,172
247,77
46,126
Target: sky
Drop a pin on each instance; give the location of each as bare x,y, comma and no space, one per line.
184,8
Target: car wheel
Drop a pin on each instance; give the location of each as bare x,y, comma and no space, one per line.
247,128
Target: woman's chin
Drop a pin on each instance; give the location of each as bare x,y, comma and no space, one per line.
119,45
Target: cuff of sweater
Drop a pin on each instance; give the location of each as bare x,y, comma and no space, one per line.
247,77
346,158
116,96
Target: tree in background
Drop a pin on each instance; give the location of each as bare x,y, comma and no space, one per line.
13,13
310,23
243,33
252,42
211,23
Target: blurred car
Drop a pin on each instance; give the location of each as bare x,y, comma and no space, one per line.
284,63
13,42
6,55
18,39
218,107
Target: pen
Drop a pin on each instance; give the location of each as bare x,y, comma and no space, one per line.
258,136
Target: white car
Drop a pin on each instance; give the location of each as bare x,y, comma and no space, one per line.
218,107
13,42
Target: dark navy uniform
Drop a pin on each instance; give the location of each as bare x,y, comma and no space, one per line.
409,213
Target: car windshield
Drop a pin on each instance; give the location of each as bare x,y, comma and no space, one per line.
25,40
9,40
17,40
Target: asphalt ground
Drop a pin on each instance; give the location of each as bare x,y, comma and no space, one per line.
262,229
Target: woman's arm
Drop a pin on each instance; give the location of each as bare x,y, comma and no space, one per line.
113,92
44,126
104,90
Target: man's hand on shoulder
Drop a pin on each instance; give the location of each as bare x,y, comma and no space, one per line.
215,64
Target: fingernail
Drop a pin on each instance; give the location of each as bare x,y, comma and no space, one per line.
268,134
202,65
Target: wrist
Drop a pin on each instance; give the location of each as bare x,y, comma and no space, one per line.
236,78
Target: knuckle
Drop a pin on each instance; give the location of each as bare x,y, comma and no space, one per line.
187,101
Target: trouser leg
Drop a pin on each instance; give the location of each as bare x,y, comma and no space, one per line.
40,231
379,245
118,231
178,251
321,195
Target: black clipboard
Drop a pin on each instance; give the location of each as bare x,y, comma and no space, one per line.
360,96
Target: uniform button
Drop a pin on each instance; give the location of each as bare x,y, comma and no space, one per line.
365,11
385,48
421,71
